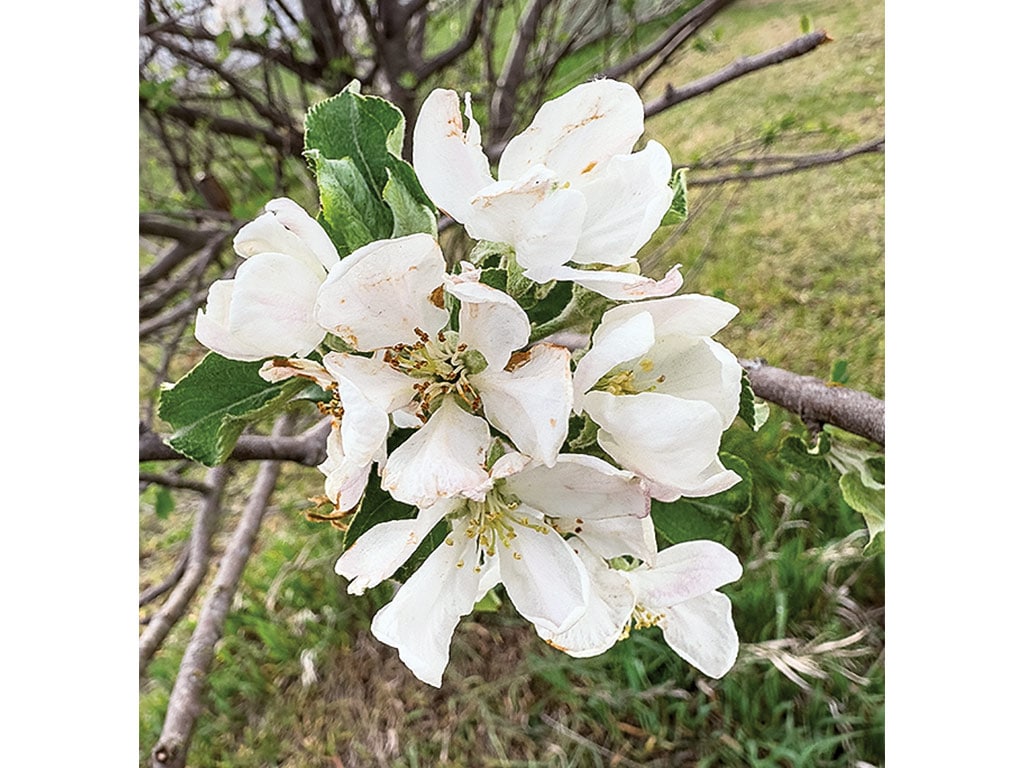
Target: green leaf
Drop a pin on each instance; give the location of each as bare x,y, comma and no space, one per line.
680,207
212,403
710,517
805,23
839,374
489,603
808,458
351,214
870,502
409,214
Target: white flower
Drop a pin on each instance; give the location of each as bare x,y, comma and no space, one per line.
388,298
677,593
662,392
240,16
568,189
267,309
509,535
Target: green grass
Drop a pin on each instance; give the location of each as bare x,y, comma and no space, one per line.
802,258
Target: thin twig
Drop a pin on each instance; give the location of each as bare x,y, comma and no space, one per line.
199,557
152,593
184,706
790,164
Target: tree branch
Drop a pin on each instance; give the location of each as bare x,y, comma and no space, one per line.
199,557
739,68
184,706
813,400
308,449
784,165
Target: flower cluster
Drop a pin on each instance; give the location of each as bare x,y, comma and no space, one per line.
540,468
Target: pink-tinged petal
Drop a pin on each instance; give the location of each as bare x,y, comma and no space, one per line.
627,198
580,487
614,343
422,618
490,321
702,632
295,219
697,370
690,315
382,292
544,578
444,458
280,369
267,234
577,131
607,614
449,162
345,479
213,329
658,436
383,549
619,286
531,404
271,307
685,571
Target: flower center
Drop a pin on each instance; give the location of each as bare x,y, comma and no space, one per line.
624,382
493,521
441,366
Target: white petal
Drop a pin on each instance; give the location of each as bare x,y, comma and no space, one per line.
539,219
684,571
383,549
617,536
213,326
378,295
345,479
421,619
271,306
450,163
580,487
490,321
691,314
531,404
295,219
444,458
701,370
627,197
280,369
267,234
713,479
614,343
702,632
547,583
620,286
608,610
577,131
661,437
369,390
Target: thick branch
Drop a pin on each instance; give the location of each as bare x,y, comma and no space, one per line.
813,400
514,72
198,559
309,448
185,703
452,54
289,143
739,68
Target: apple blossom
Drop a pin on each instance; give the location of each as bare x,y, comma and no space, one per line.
388,298
677,592
662,392
267,308
568,188
509,534
242,17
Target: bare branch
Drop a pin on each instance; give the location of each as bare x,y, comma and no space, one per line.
289,142
173,481
185,704
813,400
739,68
503,103
308,449
152,593
199,556
455,52
783,164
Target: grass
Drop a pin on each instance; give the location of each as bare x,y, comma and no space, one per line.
299,680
